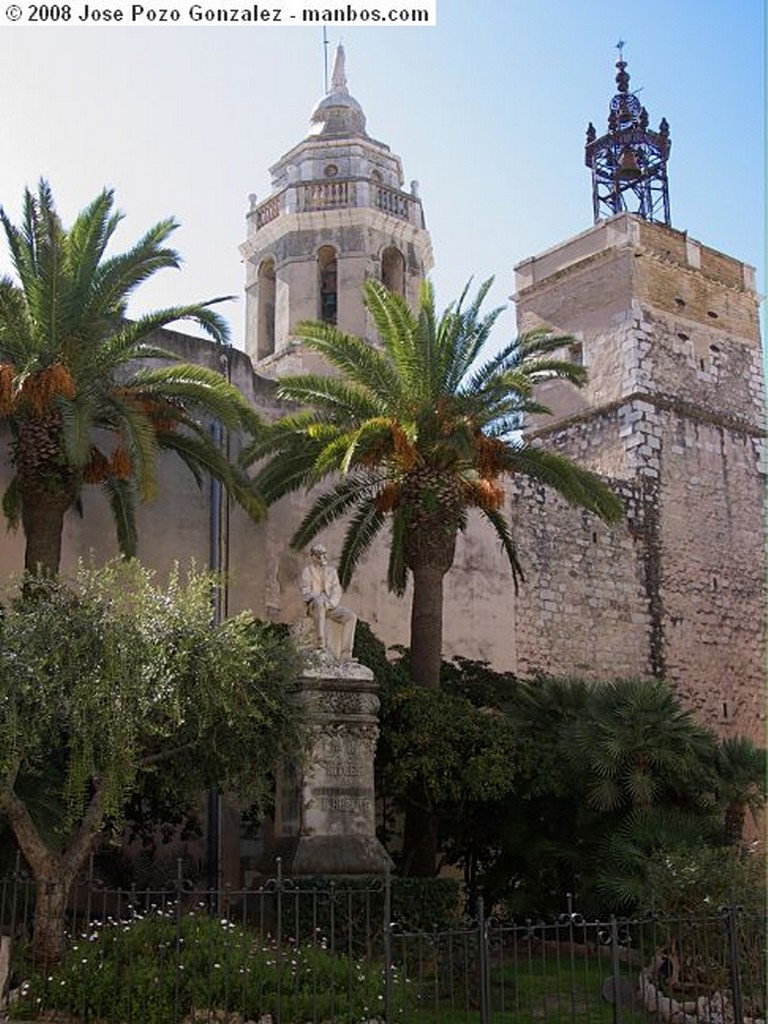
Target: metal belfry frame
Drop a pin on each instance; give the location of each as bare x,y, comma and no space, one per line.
629,162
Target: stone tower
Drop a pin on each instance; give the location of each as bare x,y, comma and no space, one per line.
336,216
673,412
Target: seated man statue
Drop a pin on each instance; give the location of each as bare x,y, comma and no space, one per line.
321,591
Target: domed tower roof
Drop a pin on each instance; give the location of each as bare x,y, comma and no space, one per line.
338,113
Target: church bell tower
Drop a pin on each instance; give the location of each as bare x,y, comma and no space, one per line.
667,328
337,215
629,162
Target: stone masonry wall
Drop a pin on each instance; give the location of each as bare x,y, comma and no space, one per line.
712,571
583,609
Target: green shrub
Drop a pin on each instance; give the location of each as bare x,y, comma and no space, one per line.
157,969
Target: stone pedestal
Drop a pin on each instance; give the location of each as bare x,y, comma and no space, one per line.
324,817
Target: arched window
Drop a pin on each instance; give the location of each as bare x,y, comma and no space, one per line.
393,270
326,262
265,336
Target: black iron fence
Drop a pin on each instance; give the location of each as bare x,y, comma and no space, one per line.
293,953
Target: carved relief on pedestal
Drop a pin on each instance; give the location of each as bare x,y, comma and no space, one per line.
334,792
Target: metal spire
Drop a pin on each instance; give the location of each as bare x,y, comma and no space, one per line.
339,76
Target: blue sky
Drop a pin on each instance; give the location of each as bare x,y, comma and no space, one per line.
488,111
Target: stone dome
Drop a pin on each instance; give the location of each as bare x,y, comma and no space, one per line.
338,113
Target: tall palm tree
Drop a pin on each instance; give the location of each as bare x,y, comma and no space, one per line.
76,407
414,433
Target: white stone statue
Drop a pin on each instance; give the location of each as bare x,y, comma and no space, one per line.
321,591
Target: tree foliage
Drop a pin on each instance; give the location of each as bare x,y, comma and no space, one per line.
79,409
111,680
415,433
548,786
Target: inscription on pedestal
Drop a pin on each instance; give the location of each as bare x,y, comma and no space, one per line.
334,794
344,770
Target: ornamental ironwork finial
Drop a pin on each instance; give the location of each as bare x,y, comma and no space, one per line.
629,162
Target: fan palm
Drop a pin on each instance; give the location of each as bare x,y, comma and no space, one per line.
740,783
413,434
641,747
77,408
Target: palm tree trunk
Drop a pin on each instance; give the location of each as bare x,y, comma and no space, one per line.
42,517
427,626
420,839
735,816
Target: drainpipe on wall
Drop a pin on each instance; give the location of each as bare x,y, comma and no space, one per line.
218,561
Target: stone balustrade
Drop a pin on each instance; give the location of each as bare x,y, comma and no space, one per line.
308,196
325,195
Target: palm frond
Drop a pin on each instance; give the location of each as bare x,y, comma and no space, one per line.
200,313
335,503
12,504
135,427
363,529
196,388
284,434
578,486
358,361
15,328
121,495
342,400
499,523
202,455
77,417
397,570
395,325
113,280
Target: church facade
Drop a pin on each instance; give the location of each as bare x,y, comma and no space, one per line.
672,416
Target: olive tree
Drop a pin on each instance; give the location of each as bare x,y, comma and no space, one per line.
109,677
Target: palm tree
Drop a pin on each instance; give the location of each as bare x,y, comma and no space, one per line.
640,747
77,408
413,434
740,784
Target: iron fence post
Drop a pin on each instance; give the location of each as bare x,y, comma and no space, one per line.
387,936
734,963
485,981
615,970
279,937
177,966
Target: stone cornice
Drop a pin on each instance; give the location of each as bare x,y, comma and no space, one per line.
687,409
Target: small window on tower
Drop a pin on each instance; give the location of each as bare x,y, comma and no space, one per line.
393,270
576,354
265,337
331,171
326,261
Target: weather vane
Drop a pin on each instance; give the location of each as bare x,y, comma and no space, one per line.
620,47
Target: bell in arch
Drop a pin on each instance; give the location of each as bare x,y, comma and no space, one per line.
628,168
